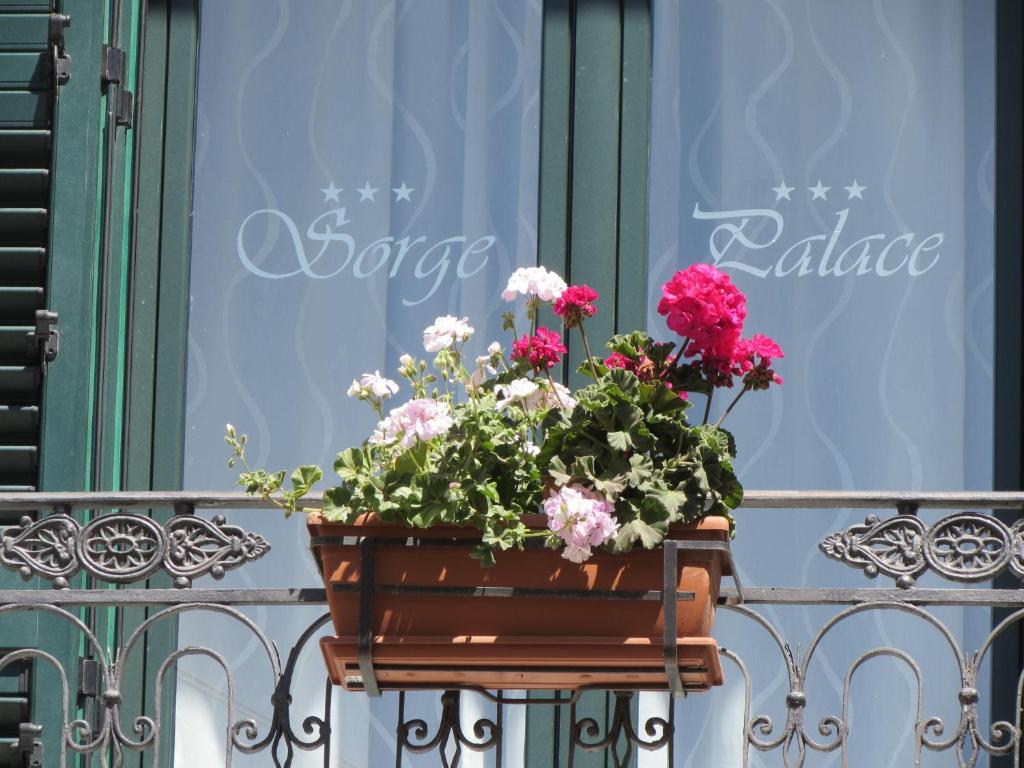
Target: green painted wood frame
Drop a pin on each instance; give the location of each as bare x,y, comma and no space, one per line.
67,429
1008,651
157,250
592,226
114,399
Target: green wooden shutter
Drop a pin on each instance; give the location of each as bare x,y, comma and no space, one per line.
30,36
26,109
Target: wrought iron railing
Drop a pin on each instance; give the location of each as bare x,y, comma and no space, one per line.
122,544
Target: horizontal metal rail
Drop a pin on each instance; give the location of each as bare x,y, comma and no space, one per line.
754,499
1009,598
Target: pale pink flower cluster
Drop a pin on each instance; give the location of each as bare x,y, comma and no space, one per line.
445,331
534,282
581,518
372,384
533,396
422,419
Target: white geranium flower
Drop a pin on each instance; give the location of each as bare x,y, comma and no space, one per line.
494,349
517,391
445,331
534,281
560,397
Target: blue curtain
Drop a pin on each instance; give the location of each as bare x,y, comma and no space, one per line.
837,160
361,168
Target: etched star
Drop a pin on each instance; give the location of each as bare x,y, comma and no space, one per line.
782,191
331,193
854,190
402,192
818,191
366,192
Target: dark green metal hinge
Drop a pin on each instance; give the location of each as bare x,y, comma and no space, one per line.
113,73
61,58
90,680
44,338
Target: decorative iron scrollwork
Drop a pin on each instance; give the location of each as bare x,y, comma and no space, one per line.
412,734
124,548
621,739
966,546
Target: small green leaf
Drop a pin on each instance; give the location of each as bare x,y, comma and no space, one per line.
670,501
558,471
611,486
337,504
640,468
648,535
305,477
620,441
626,381
348,464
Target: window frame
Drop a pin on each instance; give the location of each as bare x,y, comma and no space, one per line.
592,227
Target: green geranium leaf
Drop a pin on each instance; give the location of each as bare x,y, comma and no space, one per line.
305,477
611,486
668,500
620,441
629,416
625,381
640,468
636,531
337,505
349,463
558,471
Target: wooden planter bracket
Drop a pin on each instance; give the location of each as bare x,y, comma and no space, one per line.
669,596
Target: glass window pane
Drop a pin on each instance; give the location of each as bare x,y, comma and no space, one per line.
361,168
837,160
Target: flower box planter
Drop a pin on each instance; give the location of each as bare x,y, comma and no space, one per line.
428,616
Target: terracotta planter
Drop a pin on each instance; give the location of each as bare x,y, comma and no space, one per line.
431,617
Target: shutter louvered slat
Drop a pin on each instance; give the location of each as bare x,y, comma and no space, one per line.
26,107
25,71
22,267
24,31
15,706
26,101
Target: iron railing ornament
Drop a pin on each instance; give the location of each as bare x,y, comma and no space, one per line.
621,739
965,547
121,548
413,735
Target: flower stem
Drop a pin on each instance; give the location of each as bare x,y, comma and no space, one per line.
679,355
731,406
707,407
558,397
586,350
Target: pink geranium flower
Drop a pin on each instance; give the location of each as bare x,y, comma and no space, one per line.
541,351
417,420
760,351
581,518
575,303
701,304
